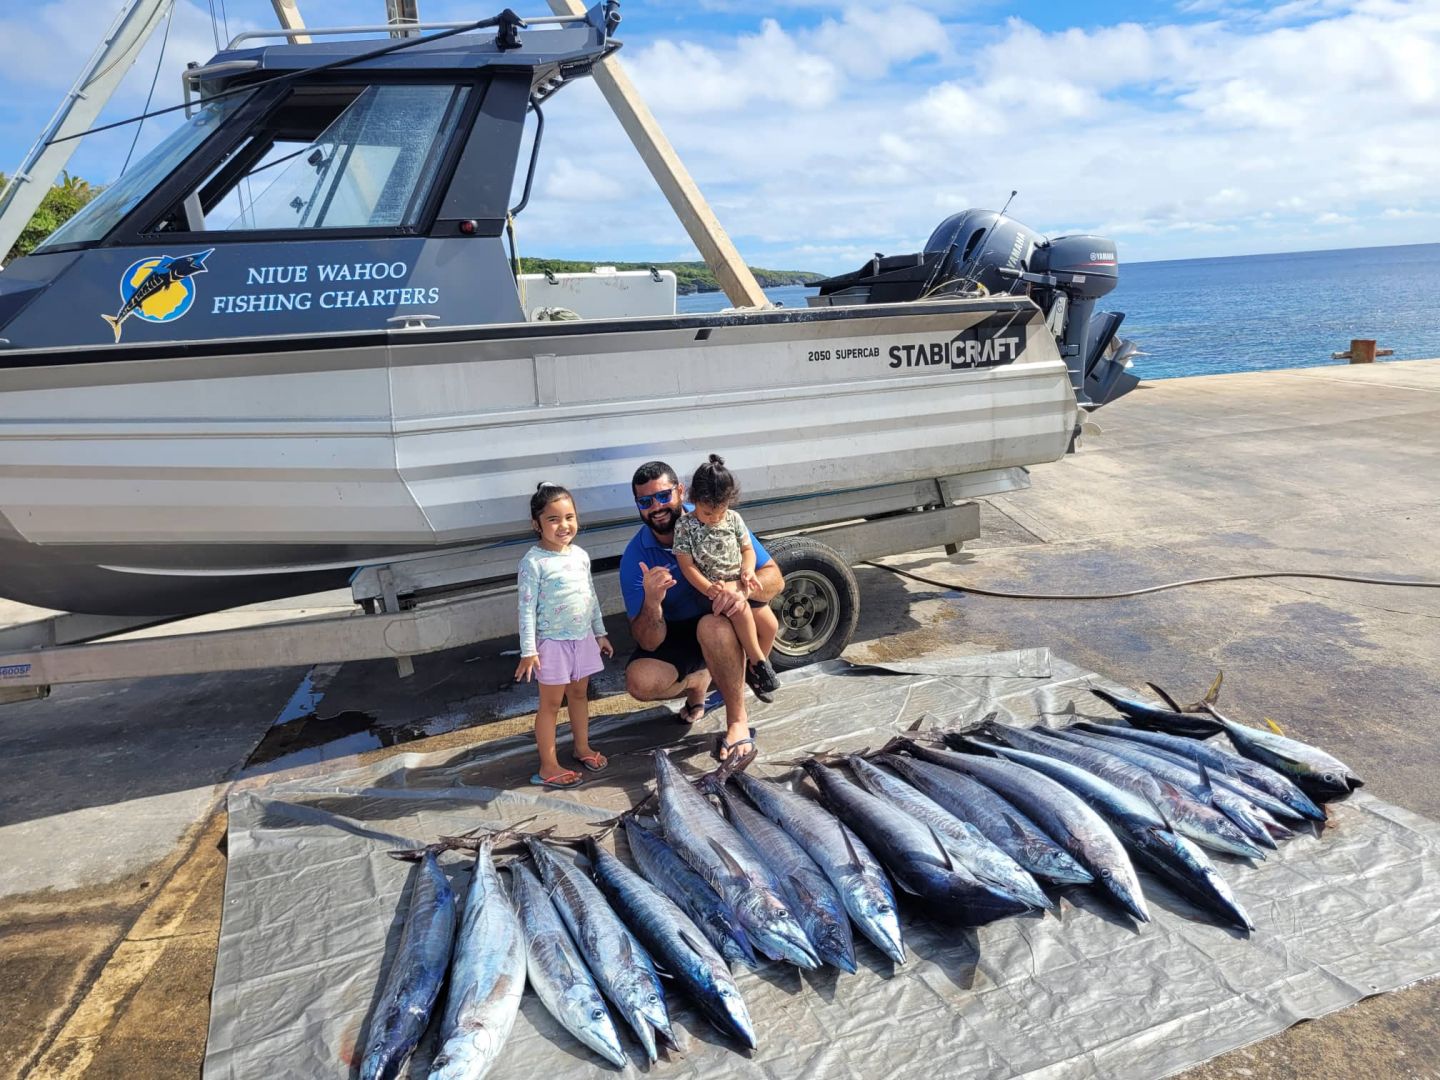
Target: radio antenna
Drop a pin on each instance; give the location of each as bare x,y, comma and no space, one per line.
979,248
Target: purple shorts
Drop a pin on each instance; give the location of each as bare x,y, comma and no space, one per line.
563,662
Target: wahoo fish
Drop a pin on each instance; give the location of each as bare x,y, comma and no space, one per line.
1137,821
487,977
676,942
1200,821
161,277
914,853
619,963
1143,714
711,845
677,880
416,973
557,973
985,862
1221,763
1001,822
846,861
1066,818
1191,776
812,897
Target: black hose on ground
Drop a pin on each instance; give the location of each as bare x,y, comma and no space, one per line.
958,587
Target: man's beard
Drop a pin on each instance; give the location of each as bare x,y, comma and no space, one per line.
662,526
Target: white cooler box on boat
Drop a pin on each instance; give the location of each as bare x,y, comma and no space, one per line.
605,294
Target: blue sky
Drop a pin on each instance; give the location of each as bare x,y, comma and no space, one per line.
823,132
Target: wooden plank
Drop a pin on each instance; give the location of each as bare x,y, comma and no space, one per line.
1362,351
288,12
674,179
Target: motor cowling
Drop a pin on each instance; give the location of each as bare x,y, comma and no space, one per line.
983,252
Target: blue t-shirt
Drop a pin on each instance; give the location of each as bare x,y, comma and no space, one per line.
682,601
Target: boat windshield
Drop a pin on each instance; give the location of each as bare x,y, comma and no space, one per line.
103,212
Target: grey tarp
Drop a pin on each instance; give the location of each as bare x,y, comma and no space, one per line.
312,902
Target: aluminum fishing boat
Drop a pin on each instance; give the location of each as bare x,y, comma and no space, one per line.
291,342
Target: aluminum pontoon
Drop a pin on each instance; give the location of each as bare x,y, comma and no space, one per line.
291,342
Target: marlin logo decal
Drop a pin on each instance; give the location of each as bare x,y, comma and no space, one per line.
158,289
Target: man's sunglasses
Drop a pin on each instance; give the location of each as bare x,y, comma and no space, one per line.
645,502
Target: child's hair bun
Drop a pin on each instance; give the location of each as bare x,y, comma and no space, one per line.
545,484
716,459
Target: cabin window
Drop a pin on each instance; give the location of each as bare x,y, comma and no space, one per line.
106,210
367,160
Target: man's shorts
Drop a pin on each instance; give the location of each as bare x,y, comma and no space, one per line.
680,649
564,662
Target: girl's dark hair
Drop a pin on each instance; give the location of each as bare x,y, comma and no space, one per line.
545,494
713,484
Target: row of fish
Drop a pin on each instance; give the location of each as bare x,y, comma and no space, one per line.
971,826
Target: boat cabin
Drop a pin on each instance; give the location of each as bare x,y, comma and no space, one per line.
357,184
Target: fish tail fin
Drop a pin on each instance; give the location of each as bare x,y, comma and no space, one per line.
114,325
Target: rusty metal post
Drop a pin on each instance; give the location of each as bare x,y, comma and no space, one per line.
1362,351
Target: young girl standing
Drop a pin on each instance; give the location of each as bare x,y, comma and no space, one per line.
562,634
712,546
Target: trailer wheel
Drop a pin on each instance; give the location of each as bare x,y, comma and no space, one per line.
820,605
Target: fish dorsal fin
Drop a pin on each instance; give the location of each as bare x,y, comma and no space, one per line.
1174,794
627,950
1165,697
729,860
1020,835
1205,784
803,892
690,942
949,862
850,849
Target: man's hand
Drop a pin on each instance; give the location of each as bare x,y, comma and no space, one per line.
657,582
529,669
727,603
606,649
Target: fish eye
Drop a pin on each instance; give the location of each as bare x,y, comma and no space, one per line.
1329,778
1105,872
597,1014
653,998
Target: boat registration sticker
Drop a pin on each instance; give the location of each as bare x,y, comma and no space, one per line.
158,289
14,671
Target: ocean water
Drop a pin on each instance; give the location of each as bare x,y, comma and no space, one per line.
1257,312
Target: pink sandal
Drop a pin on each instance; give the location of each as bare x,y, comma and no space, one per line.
567,779
593,761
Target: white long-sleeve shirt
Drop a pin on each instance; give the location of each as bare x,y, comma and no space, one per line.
557,598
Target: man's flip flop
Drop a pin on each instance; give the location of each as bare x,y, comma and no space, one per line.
724,749
567,779
593,762
691,714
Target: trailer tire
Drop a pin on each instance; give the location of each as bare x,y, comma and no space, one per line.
819,606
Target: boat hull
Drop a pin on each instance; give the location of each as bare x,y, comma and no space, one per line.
184,478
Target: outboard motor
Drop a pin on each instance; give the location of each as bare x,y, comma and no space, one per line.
981,253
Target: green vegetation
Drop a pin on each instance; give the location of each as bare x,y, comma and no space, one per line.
690,277
59,206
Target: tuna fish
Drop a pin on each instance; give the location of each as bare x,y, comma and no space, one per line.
846,861
676,942
487,977
913,852
711,845
618,962
556,972
1000,821
416,972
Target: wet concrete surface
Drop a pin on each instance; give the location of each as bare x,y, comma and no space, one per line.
110,897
